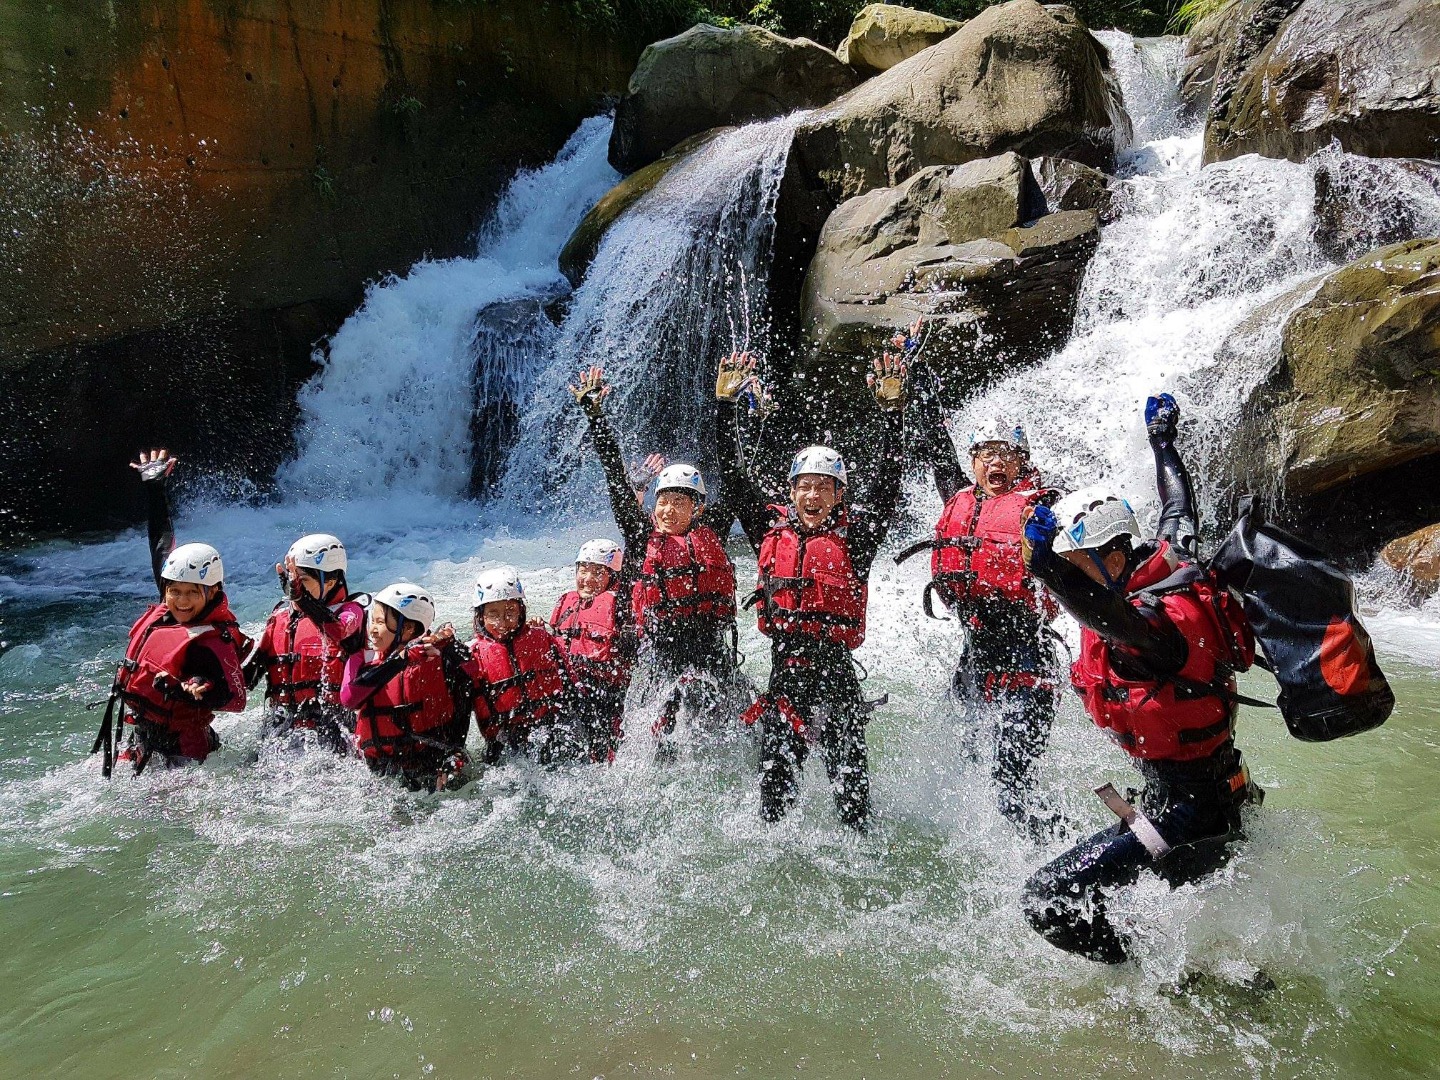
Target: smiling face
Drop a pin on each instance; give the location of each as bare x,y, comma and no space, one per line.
502,617
997,467
591,579
674,512
185,600
815,498
381,626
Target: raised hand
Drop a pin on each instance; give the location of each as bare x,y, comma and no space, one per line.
154,465
736,374
590,389
1162,416
648,469
887,382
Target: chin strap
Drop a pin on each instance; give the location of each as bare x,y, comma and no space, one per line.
1110,582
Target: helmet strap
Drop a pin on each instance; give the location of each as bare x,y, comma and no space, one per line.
1099,561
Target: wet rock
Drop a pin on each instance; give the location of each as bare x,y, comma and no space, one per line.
1356,388
969,248
579,251
1365,203
883,35
1417,556
1362,72
1203,48
1012,78
1242,31
1068,185
711,77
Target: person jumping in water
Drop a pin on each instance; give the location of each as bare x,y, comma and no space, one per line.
593,623
411,691
1160,642
814,562
1007,673
183,661
305,643
684,596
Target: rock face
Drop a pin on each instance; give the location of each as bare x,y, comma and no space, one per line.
711,77
968,247
1068,185
1363,72
579,251
202,191
1203,48
1357,387
1417,556
883,35
1012,78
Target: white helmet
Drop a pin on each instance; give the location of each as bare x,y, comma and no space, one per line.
498,583
1091,517
409,601
601,552
684,478
818,461
319,551
989,431
196,563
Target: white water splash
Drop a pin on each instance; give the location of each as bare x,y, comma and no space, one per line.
392,405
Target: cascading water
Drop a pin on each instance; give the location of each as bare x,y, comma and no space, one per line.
678,281
265,917
393,402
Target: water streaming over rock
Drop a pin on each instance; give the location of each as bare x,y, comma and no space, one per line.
293,913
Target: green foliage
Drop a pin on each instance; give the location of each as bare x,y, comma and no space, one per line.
827,21
1191,12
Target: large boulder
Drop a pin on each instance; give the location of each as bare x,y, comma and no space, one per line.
1015,77
883,35
579,251
1356,388
1363,72
1417,556
968,248
710,77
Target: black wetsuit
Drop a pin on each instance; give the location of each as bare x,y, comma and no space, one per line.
817,676
695,654
1195,805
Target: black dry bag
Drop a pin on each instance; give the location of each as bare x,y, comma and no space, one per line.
1302,610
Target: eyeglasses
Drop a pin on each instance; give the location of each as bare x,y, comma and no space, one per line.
995,451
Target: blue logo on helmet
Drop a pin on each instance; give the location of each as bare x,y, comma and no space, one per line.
204,570
1077,531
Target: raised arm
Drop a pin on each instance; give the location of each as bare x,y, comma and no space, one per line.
590,390
1179,520
743,496
1143,633
888,383
155,468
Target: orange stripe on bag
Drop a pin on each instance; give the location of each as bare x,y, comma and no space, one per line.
1343,660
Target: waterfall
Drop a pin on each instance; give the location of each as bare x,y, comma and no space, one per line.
407,375
679,280
1199,257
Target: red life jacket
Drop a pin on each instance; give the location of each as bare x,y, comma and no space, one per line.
304,661
589,633
518,682
684,577
407,720
1192,714
157,648
808,586
976,551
